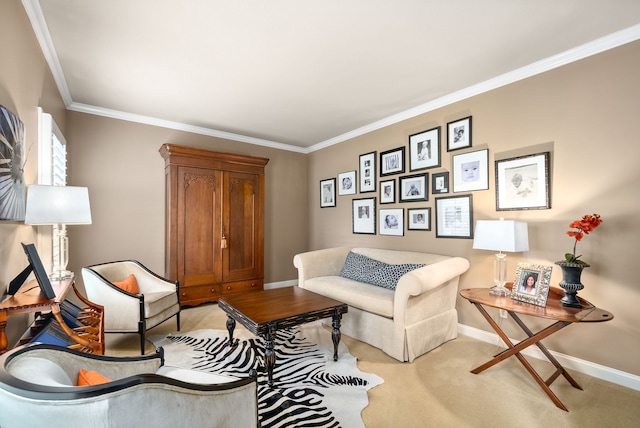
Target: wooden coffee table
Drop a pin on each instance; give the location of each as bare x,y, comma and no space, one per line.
265,312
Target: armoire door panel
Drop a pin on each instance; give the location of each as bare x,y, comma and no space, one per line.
198,225
240,212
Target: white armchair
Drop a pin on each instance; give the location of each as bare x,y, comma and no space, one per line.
124,312
38,387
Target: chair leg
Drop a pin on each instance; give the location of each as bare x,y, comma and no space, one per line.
178,320
142,330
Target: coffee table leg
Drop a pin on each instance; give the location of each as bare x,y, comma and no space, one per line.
269,354
231,325
335,334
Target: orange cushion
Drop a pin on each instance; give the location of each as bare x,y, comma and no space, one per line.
129,284
88,378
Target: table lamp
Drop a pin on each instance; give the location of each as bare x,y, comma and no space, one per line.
501,235
58,206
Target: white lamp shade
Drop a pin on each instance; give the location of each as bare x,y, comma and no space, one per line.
57,205
501,235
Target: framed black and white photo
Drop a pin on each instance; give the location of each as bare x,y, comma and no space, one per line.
364,216
388,191
459,134
392,162
532,283
328,193
454,217
392,222
368,172
471,171
347,183
440,182
419,219
522,183
424,149
414,187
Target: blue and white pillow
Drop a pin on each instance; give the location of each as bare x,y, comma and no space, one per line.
365,269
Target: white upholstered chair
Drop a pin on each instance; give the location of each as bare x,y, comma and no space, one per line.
124,312
38,387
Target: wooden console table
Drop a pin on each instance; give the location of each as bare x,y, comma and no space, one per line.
554,310
88,336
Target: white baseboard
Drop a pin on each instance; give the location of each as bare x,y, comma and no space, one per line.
596,370
280,284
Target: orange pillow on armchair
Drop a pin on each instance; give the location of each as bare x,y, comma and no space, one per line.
129,284
89,378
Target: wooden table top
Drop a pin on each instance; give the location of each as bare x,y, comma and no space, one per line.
287,305
553,310
29,296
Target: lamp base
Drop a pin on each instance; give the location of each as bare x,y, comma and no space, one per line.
499,290
60,274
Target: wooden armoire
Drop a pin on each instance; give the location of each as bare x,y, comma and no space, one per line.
214,231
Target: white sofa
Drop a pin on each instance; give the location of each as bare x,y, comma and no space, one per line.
413,319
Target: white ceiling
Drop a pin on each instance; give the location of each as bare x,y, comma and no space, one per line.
301,75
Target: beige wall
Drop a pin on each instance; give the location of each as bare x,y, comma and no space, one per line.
585,115
120,163
584,112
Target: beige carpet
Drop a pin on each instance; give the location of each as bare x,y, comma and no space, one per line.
437,389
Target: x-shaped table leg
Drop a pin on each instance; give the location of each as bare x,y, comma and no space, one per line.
515,350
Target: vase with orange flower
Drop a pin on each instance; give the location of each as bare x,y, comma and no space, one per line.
572,266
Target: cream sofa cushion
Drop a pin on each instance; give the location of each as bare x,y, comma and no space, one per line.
360,295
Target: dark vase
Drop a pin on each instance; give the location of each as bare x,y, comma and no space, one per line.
570,283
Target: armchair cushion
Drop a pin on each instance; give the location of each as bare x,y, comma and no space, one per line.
359,267
129,284
40,371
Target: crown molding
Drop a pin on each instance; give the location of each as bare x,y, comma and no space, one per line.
34,12
178,126
594,47
613,40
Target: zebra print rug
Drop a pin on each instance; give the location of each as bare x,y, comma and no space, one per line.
310,389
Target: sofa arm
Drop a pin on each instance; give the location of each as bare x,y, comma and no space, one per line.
420,281
327,262
427,278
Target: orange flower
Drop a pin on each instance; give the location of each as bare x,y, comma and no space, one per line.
585,225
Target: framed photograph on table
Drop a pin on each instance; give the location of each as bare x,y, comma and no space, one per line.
392,222
392,162
424,149
347,183
388,191
368,172
459,134
471,171
328,193
532,283
522,183
440,183
364,216
419,219
454,217
414,188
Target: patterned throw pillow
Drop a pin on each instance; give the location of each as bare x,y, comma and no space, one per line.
365,269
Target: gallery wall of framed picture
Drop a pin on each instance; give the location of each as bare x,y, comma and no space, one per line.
398,176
